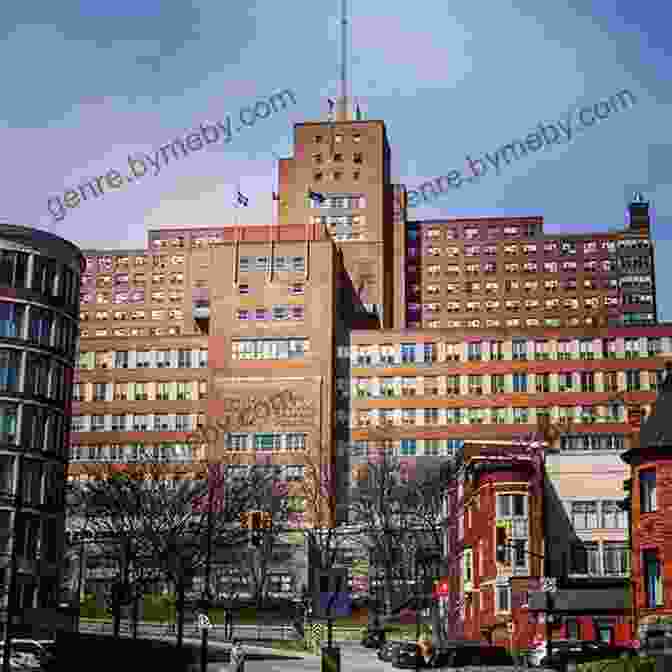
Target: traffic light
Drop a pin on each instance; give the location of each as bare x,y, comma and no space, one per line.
441,588
256,528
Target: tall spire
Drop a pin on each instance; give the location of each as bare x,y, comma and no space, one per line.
343,105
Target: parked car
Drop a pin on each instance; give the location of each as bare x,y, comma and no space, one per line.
580,651
373,639
451,654
387,650
31,652
406,656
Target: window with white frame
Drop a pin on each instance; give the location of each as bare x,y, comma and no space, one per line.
613,516
584,515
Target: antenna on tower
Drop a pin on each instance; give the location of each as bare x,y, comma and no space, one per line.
343,107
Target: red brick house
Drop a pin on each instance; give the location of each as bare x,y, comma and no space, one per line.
495,543
650,509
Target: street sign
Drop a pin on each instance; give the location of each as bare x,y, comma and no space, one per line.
550,584
204,622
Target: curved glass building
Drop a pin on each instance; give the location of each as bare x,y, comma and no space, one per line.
40,277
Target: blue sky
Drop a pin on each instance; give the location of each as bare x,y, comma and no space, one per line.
86,83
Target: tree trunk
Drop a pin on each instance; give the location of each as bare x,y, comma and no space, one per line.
116,610
136,604
180,612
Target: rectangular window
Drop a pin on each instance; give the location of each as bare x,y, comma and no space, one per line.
511,505
10,362
519,350
633,381
184,359
474,352
497,383
267,441
653,579
613,517
503,595
520,382
584,515
647,490
616,559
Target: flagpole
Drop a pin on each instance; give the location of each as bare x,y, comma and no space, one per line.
236,238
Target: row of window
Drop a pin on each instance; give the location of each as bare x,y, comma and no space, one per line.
270,348
42,430
409,447
131,295
47,276
145,391
295,289
501,415
591,515
108,263
473,231
42,481
36,537
183,358
265,441
493,287
137,422
337,157
448,447
516,305
335,175
105,280
631,380
518,349
124,332
32,374
341,202
551,247
247,264
276,313
38,326
628,264
176,314
134,452
628,319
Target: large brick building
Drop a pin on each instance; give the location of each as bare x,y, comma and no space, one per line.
419,336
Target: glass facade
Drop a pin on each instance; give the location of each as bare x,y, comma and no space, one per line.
38,337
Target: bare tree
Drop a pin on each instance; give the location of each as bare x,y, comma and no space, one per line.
380,519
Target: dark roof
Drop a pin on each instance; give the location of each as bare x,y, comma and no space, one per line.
656,431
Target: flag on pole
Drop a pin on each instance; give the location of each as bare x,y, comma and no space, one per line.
241,200
358,113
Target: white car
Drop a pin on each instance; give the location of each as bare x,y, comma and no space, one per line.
21,662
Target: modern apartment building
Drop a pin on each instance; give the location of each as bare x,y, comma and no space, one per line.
39,305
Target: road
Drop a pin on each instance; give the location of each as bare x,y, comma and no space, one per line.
354,658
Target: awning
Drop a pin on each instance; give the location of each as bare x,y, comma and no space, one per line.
582,601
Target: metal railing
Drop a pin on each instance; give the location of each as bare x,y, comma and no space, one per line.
243,631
